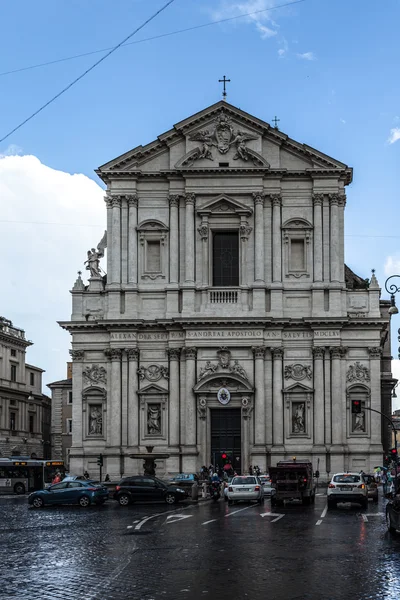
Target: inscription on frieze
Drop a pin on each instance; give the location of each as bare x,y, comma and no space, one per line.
217,333
123,335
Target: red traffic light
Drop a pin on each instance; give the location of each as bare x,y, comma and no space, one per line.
393,451
355,406
223,455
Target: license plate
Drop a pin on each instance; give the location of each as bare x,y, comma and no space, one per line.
244,490
345,489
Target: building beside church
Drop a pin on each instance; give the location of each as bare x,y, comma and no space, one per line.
61,417
225,322
25,412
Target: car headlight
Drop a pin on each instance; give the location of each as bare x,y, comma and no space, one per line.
180,490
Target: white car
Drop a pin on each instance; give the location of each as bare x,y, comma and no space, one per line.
347,487
245,487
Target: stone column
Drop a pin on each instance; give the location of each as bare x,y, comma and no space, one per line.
337,400
174,417
115,275
259,403
115,401
190,400
319,399
133,399
203,231
124,239
375,374
190,200
276,238
77,413
202,437
318,256
108,201
124,400
132,238
277,356
268,397
342,204
173,239
328,414
259,237
335,234
244,231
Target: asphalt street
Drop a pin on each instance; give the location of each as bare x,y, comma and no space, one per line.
205,550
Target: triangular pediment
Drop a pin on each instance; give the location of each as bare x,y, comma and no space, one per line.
151,390
297,388
224,204
248,145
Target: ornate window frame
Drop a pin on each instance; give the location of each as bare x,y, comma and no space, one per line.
293,395
93,396
153,394
293,230
152,230
358,391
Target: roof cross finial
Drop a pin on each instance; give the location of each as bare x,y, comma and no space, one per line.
224,81
275,121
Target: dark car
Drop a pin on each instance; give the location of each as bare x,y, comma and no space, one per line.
83,493
140,487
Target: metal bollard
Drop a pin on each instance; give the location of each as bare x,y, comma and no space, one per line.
204,490
195,492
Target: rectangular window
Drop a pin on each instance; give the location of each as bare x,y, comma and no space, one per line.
32,378
69,426
13,352
12,421
226,259
153,257
31,423
13,372
69,396
297,255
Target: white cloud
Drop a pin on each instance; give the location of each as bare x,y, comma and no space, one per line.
307,56
284,49
392,265
281,52
11,150
39,261
263,21
394,135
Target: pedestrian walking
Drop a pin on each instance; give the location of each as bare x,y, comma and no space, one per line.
86,475
250,470
384,480
107,477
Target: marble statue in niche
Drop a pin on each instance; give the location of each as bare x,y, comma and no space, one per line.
298,417
154,419
95,420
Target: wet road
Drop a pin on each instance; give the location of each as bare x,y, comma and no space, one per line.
153,551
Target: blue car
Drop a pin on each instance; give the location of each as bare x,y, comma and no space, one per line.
83,493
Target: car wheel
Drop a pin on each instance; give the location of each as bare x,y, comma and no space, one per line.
170,498
124,500
38,502
19,488
389,522
84,501
331,504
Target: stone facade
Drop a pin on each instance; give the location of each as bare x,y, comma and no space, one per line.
225,320
61,418
24,410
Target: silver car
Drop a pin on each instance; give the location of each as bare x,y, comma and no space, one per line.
245,487
347,487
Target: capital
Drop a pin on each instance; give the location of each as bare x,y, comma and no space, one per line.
258,351
318,352
174,200
190,353
132,199
334,199
190,199
276,199
338,351
375,352
318,199
116,201
132,353
174,353
113,353
342,200
258,198
108,201
277,353
76,354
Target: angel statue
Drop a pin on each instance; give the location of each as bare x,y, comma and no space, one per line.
240,140
207,140
93,257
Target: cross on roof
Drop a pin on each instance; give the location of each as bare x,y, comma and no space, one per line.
224,81
275,121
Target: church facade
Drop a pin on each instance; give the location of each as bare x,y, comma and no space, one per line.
225,323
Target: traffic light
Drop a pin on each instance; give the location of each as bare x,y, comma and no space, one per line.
355,407
100,460
224,456
393,453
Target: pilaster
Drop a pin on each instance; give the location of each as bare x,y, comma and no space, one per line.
319,397
259,404
278,425
133,399
77,429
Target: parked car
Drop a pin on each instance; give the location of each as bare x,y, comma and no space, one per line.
138,487
245,487
83,493
268,489
372,487
347,487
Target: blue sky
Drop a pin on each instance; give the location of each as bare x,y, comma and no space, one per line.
327,69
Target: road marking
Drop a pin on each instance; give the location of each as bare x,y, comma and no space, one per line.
240,510
271,514
323,514
143,521
364,518
177,518
374,514
129,526
319,522
207,522
277,518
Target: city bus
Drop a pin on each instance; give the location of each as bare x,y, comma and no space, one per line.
21,474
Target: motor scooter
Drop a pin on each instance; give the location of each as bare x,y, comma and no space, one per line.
215,491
